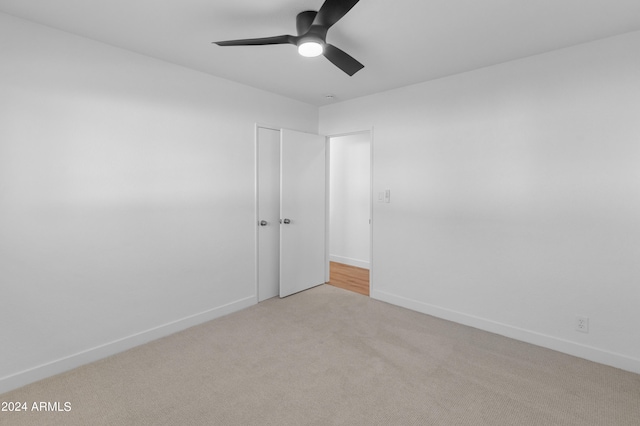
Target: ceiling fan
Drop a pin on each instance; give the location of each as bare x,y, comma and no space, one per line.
312,30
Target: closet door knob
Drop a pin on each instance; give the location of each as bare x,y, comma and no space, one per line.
287,221
263,223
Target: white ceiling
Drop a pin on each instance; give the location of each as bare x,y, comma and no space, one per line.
400,42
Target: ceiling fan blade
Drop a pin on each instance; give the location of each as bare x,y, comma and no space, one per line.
282,39
342,60
332,11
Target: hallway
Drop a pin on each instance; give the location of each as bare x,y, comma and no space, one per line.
349,278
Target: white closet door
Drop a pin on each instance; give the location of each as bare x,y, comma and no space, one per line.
268,213
302,211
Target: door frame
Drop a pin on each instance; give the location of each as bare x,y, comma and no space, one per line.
328,186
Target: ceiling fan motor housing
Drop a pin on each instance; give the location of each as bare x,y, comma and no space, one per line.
304,20
307,32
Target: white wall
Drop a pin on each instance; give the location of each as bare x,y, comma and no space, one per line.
515,197
126,197
349,204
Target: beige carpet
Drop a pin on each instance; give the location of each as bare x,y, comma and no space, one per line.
331,357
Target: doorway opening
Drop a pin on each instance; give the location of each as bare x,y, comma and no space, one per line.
350,211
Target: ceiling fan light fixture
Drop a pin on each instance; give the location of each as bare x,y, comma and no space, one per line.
310,48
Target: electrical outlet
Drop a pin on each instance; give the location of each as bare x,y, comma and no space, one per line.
582,324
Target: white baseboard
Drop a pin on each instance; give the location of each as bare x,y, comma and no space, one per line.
349,261
590,353
58,366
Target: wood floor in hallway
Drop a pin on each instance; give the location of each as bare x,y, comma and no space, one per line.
349,278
